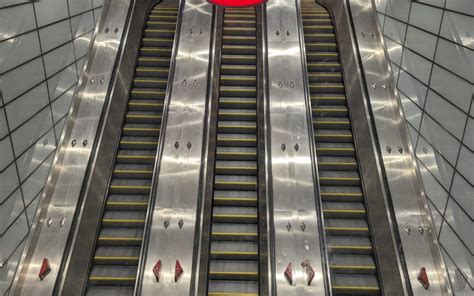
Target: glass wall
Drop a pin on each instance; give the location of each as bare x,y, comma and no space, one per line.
430,44
43,45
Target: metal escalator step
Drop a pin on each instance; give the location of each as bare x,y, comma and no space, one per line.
232,288
335,163
325,76
239,49
136,157
343,210
228,167
109,291
330,111
335,149
147,93
238,91
322,56
328,99
158,42
135,171
240,22
235,201
238,64
230,255
328,178
164,17
316,21
235,183
116,275
234,218
145,105
318,28
142,72
145,61
120,237
237,103
312,47
149,82
232,153
332,123
240,31
333,136
355,285
238,80
236,59
237,140
326,88
106,255
155,51
124,219
323,67
239,40
127,202
237,115
143,117
323,37
118,186
234,236
356,245
346,227
138,143
341,193
141,130
159,33
160,24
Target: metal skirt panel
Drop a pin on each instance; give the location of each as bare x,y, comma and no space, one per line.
295,223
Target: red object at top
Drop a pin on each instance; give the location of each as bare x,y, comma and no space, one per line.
236,3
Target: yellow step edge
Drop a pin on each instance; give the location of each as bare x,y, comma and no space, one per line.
148,92
160,30
325,74
340,178
238,78
235,183
230,294
324,64
356,288
129,187
237,126
150,80
237,153
321,44
327,86
141,129
329,98
333,135
235,199
329,110
351,247
126,203
235,168
233,273
344,211
155,49
120,238
123,220
361,267
139,143
337,163
154,59
234,216
339,194
105,278
240,37
136,156
233,253
346,228
318,26
237,140
238,102
235,233
160,23
142,116
322,54
133,171
145,104
330,122
151,70
335,149
116,258
237,114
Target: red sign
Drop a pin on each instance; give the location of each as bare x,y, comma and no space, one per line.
237,3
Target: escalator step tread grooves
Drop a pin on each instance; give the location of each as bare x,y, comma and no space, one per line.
115,261
351,262
233,258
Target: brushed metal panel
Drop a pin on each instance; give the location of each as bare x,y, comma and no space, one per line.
52,225
296,223
179,179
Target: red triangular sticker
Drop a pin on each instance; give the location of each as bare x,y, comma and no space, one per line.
45,269
178,271
289,273
157,270
423,278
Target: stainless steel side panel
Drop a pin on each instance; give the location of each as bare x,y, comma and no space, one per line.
413,225
172,232
52,225
296,223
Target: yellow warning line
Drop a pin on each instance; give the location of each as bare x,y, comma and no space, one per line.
133,171
136,156
233,253
357,288
126,203
104,278
235,199
346,228
116,258
235,183
352,247
235,233
237,140
360,267
233,216
343,194
129,187
235,168
345,211
338,163
243,273
120,238
138,143
123,220
340,178
333,135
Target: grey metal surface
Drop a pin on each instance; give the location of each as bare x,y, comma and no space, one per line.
171,234
296,222
413,225
76,270
58,203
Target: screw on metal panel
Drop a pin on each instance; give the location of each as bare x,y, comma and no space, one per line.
62,221
384,86
288,226
184,82
277,33
428,228
374,86
280,85
200,31
400,149
116,30
408,229
421,230
371,34
425,150
292,84
84,143
107,30
388,148
288,33
180,223
283,147
73,143
166,223
190,30
195,83
49,221
92,80
362,33
102,81
297,147
303,226
176,144
189,145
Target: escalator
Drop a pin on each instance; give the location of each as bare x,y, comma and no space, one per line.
352,265
118,245
234,257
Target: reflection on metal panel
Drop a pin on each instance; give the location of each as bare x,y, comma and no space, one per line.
171,237
417,242
295,218
58,204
